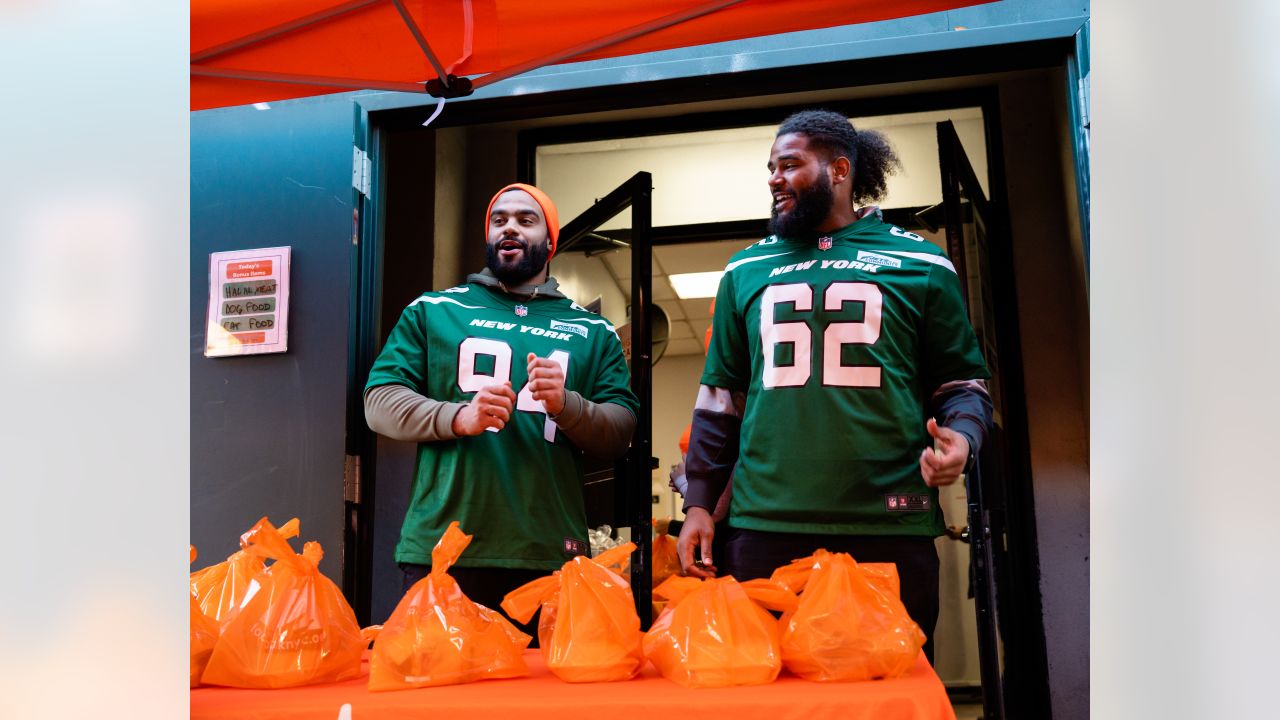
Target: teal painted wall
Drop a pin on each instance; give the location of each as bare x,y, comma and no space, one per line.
267,431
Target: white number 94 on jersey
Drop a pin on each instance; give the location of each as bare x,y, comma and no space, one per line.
471,380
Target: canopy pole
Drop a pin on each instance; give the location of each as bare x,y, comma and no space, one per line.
422,42
620,36
318,80
468,33
281,29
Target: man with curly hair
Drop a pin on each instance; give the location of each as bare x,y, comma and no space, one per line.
843,383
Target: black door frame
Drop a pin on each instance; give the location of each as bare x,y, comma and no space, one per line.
359,474
632,483
1010,554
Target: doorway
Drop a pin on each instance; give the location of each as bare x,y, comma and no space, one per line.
699,230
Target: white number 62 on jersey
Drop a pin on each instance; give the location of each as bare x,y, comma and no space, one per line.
836,335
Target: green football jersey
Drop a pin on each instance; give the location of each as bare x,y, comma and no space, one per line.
838,343
519,490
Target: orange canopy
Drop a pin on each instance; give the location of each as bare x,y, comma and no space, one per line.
246,51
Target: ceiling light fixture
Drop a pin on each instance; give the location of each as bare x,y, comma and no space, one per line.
696,285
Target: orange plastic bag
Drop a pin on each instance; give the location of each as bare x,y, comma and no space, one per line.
714,633
589,630
220,588
204,633
850,624
294,629
665,560
438,636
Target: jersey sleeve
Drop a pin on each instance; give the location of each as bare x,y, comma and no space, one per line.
949,345
403,360
613,381
728,362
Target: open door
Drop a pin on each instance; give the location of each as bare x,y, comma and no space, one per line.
1001,533
626,486
362,348
392,247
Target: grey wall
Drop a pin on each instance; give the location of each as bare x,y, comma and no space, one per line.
451,205
1052,309
267,431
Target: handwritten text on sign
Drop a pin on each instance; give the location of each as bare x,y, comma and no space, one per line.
248,302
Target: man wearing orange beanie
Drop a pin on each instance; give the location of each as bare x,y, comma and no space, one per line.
503,382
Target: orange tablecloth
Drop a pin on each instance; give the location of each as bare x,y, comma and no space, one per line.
542,696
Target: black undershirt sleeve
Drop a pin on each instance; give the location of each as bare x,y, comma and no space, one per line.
713,451
965,407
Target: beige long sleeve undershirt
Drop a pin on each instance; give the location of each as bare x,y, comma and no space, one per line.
600,429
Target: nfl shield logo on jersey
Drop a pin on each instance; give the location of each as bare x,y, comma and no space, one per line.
521,311
824,243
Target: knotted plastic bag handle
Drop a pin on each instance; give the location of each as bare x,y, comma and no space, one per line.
677,588
448,548
766,592
520,604
771,594
264,540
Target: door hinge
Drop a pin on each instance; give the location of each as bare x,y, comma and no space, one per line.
361,171
351,480
1083,91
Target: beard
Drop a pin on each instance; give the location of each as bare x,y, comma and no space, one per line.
811,207
516,273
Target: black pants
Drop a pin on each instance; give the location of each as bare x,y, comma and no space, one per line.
485,586
751,554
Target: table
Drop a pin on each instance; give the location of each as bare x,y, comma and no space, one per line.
541,696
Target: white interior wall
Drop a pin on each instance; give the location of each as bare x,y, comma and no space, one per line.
721,175
583,278
955,640
675,387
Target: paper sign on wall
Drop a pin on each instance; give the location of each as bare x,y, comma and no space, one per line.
248,302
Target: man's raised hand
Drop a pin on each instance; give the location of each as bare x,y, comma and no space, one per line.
490,408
